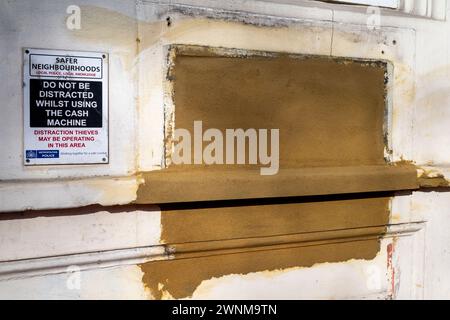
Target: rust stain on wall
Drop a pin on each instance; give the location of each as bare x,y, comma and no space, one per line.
391,268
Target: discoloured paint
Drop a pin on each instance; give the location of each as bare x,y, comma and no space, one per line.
245,18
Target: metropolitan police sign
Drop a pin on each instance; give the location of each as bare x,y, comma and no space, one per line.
65,107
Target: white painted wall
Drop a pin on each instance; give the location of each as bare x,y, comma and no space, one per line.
107,242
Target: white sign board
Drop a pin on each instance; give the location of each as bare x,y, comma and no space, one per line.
65,107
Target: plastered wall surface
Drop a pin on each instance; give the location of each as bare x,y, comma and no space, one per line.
351,133
83,216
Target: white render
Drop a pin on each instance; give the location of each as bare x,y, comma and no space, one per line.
36,253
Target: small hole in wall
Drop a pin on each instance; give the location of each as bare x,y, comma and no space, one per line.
382,51
394,42
169,21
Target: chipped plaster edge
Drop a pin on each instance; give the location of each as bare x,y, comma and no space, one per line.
68,193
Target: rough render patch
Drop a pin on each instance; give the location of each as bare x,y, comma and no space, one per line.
249,221
181,276
187,184
431,178
329,111
235,77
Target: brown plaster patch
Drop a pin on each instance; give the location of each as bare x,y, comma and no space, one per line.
180,277
331,115
330,111
215,241
432,180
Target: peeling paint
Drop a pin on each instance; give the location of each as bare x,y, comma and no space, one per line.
431,179
391,269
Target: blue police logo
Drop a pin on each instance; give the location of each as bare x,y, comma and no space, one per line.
31,154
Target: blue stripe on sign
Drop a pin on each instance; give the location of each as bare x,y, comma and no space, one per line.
47,153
